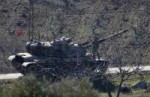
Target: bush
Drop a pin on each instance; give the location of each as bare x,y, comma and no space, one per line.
103,85
31,87
25,87
73,88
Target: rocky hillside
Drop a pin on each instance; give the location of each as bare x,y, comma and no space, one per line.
81,20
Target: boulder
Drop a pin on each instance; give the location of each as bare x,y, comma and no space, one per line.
125,89
141,85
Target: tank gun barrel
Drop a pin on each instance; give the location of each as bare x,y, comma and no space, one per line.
113,35
87,44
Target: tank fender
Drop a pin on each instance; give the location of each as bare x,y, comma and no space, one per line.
26,64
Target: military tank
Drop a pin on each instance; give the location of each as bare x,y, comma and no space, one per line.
59,58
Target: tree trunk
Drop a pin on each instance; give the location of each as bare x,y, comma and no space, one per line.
108,90
109,93
118,92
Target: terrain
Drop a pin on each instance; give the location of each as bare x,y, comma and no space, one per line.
80,20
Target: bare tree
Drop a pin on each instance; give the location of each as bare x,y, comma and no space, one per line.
126,69
124,74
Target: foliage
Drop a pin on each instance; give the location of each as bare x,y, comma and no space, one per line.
104,85
74,88
31,87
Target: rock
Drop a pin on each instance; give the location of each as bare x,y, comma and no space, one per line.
141,85
125,89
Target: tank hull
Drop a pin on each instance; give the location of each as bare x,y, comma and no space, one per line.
55,67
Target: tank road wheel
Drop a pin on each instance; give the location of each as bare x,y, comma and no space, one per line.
33,69
49,74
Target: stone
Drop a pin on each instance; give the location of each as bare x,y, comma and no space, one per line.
125,89
141,85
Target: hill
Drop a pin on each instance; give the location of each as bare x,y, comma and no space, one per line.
81,20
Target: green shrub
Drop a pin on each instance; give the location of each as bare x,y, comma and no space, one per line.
25,87
31,87
73,88
103,85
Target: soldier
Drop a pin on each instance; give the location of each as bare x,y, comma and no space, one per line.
95,48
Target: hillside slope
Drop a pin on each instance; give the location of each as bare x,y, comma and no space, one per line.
81,20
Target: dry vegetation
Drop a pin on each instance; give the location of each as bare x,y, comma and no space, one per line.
80,20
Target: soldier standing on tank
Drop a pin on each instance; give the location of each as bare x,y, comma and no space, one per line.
95,47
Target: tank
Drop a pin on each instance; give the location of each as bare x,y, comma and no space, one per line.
60,58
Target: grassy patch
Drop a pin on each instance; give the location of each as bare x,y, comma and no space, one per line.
133,79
